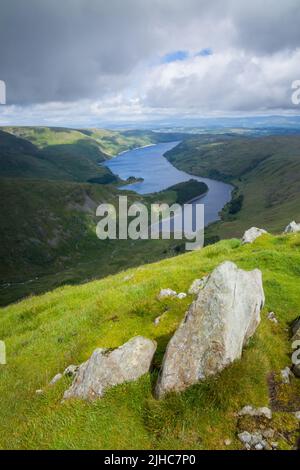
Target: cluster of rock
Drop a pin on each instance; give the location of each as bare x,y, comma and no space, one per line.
256,431
253,233
212,335
164,293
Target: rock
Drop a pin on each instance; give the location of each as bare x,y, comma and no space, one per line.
107,368
245,437
247,446
227,442
181,295
274,445
39,391
257,412
157,320
297,415
259,446
166,293
71,370
285,375
272,317
197,285
218,324
55,379
292,228
252,234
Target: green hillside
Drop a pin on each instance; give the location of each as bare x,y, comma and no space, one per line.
45,334
66,156
48,235
265,172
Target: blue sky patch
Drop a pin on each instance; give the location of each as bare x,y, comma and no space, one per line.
175,56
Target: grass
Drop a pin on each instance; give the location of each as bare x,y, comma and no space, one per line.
44,334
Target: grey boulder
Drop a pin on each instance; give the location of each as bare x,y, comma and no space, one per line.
218,324
252,234
292,228
107,368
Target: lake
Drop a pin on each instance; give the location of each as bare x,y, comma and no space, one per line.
158,173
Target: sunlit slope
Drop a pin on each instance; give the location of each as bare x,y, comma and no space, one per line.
45,334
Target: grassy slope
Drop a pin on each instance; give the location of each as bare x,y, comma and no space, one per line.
48,235
265,170
45,334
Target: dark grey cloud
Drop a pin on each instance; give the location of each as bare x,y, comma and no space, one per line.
106,56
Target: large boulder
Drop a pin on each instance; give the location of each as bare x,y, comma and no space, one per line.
252,234
292,227
107,368
218,324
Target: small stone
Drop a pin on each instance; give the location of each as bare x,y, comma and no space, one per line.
39,391
259,446
293,227
272,317
264,411
247,446
181,295
245,437
274,445
71,370
252,234
285,375
157,320
55,379
297,415
227,442
166,293
247,410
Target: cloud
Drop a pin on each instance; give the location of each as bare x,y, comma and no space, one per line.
94,61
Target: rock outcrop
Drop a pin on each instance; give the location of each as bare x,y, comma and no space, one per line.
292,227
107,368
218,324
252,234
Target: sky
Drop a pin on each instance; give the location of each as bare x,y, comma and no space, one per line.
93,63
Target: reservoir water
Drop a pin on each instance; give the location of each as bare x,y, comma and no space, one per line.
158,173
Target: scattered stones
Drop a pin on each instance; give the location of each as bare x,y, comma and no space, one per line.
292,227
272,317
71,370
252,234
285,375
253,440
107,368
181,295
167,293
214,331
257,412
55,379
197,285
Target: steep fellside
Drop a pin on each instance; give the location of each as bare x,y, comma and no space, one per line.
45,334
